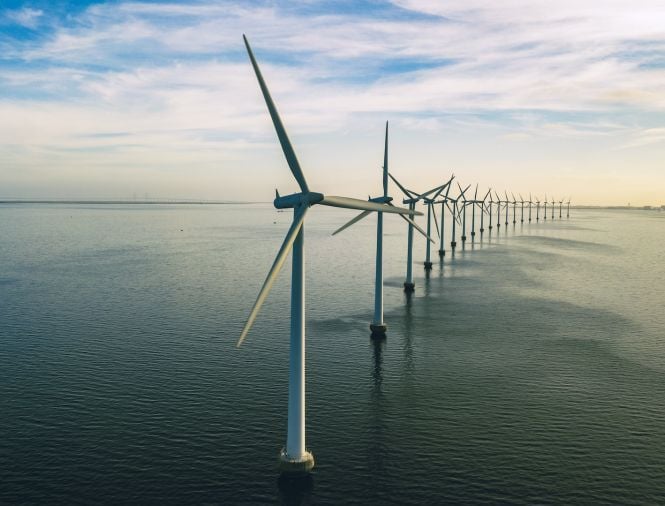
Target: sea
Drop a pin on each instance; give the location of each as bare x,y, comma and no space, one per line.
527,368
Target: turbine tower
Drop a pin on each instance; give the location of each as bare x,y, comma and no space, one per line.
473,213
294,457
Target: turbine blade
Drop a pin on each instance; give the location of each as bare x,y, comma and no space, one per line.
436,222
415,225
352,221
363,205
404,190
289,153
274,271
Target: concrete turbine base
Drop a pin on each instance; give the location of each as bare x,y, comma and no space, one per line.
288,465
409,287
473,234
378,330
442,253
428,266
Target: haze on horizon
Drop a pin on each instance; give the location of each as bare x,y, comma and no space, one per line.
114,99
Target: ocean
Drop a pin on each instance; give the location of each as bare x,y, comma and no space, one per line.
528,368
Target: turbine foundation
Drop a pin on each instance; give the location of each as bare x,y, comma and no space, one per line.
453,244
442,253
428,266
473,234
409,287
463,238
303,465
378,330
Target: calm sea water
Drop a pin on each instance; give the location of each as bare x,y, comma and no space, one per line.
528,369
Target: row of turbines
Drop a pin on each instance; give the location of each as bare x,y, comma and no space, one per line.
295,458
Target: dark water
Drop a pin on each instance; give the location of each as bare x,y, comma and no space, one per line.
528,369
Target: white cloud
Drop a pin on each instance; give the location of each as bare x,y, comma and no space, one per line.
26,17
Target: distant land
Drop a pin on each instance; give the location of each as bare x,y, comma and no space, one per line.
122,201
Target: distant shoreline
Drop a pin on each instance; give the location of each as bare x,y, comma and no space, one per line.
111,202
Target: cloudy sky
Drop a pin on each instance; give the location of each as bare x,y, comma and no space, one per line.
115,99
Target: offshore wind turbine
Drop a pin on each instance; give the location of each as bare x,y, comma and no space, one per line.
545,213
568,208
553,204
444,204
455,211
294,457
431,212
537,209
507,206
498,210
473,212
464,204
522,211
482,211
530,207
490,209
560,207
411,199
514,208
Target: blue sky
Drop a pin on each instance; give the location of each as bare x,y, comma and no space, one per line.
111,99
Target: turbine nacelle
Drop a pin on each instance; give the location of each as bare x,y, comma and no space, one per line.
297,200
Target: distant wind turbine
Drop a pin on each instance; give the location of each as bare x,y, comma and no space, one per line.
482,211
295,457
411,199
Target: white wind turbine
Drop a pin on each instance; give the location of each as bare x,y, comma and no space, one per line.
378,327
431,212
455,213
444,203
295,457
482,211
545,213
411,199
473,213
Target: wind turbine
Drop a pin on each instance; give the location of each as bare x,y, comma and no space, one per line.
431,212
455,211
522,211
295,458
490,209
444,204
545,213
530,207
560,207
537,209
553,204
411,199
514,208
473,212
507,206
568,209
378,327
498,210
482,211
464,205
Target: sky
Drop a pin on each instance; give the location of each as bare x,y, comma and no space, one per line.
158,99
